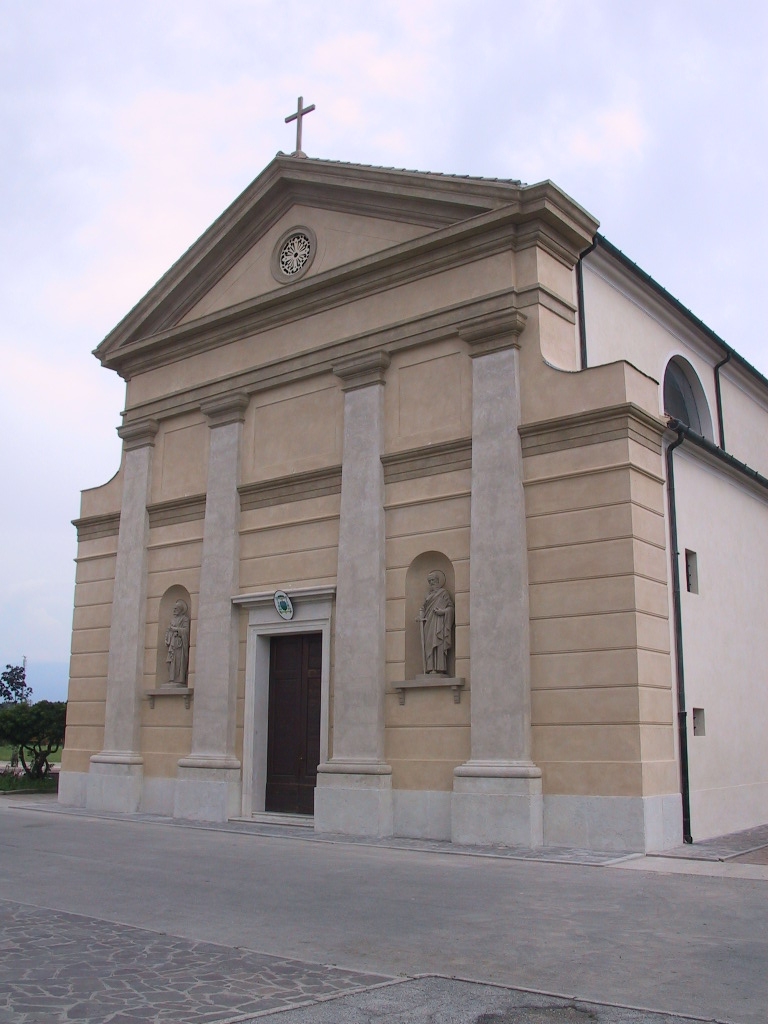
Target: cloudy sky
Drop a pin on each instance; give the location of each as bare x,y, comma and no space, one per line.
128,126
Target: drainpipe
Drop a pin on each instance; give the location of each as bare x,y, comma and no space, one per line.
720,426
682,714
580,300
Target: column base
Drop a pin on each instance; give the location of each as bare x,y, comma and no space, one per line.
73,789
115,781
207,789
497,803
354,799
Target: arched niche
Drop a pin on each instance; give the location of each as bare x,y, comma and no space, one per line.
167,602
684,397
415,591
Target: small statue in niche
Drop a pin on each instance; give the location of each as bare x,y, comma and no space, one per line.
177,642
436,620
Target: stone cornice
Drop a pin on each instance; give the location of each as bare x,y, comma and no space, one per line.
428,460
178,510
594,426
493,331
396,337
361,371
93,527
139,433
314,483
296,594
226,408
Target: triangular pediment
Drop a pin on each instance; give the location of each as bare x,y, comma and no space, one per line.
332,238
353,212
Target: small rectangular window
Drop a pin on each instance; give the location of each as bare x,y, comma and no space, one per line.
691,572
698,722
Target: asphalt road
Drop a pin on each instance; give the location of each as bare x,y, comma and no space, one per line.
675,942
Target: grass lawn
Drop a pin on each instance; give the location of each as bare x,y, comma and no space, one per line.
5,755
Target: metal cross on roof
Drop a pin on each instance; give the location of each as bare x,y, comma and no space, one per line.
300,112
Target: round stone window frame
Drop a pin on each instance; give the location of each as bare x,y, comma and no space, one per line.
277,271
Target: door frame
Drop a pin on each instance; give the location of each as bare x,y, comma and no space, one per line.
312,610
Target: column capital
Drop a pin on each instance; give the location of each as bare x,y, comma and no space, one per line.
362,370
224,409
493,332
138,434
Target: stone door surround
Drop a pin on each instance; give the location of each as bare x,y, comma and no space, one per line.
313,607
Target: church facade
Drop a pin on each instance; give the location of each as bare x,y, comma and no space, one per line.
436,517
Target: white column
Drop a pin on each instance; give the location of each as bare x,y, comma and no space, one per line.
354,788
115,774
208,781
497,793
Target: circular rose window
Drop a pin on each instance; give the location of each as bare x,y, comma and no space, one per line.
293,254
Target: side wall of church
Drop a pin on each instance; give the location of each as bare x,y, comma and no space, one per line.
724,521
625,321
725,644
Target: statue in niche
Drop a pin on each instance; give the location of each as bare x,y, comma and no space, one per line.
177,642
436,620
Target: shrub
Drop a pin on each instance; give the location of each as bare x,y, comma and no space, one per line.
37,730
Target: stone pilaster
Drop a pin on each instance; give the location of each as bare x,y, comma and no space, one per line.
115,774
354,788
208,781
497,793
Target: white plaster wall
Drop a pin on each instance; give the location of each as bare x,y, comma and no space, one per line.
745,412
618,327
626,322
725,643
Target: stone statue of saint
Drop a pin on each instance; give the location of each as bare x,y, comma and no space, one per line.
436,618
177,642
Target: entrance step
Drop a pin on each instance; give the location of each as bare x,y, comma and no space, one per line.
277,818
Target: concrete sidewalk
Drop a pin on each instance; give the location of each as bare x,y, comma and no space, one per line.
107,919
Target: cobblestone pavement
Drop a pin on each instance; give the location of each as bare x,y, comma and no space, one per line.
58,968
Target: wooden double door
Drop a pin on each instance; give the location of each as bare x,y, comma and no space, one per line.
293,743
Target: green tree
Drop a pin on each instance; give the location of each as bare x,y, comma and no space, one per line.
37,730
13,685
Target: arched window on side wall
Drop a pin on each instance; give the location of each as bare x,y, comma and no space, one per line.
684,397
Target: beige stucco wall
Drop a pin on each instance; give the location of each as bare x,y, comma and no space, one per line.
175,552
600,661
90,649
428,735
180,461
293,428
